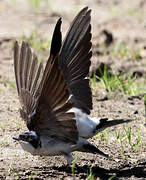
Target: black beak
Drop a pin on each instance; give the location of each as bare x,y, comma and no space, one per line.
16,139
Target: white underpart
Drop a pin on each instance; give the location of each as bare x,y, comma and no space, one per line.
85,125
52,147
27,147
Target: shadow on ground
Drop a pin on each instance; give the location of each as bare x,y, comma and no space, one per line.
125,172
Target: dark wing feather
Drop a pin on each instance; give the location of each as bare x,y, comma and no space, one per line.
27,74
44,97
51,116
57,39
74,60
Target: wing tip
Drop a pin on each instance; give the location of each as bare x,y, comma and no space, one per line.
59,21
56,39
15,43
86,9
16,47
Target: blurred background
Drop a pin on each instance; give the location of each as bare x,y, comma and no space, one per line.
117,78
118,28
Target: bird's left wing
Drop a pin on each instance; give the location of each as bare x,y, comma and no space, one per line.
74,60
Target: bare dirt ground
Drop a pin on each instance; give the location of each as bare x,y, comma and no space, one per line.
126,22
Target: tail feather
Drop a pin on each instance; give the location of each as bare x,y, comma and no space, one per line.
105,123
90,148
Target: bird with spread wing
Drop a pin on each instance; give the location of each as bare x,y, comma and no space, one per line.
55,102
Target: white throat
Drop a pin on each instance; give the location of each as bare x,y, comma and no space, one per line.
26,146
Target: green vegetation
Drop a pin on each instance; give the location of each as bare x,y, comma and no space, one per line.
8,84
40,46
90,175
32,176
112,177
103,136
1,90
145,107
35,3
4,142
15,2
135,13
11,167
121,50
3,126
11,84
16,177
133,138
122,83
127,138
74,165
36,42
114,11
38,4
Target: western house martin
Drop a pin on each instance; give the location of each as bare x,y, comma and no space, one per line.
55,102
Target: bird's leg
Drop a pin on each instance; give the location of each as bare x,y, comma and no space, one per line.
69,158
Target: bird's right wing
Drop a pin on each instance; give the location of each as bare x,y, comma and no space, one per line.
52,117
74,60
28,77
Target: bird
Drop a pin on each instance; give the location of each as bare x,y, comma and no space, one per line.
56,101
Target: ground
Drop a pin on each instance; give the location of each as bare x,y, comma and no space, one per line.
119,51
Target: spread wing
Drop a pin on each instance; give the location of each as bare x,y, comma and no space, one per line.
28,76
43,96
74,60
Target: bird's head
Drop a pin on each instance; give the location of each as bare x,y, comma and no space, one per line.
28,137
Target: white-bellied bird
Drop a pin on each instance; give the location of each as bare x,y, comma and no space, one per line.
55,102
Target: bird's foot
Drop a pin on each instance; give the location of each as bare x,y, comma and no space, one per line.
69,159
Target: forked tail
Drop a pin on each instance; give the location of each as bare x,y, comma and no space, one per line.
105,123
